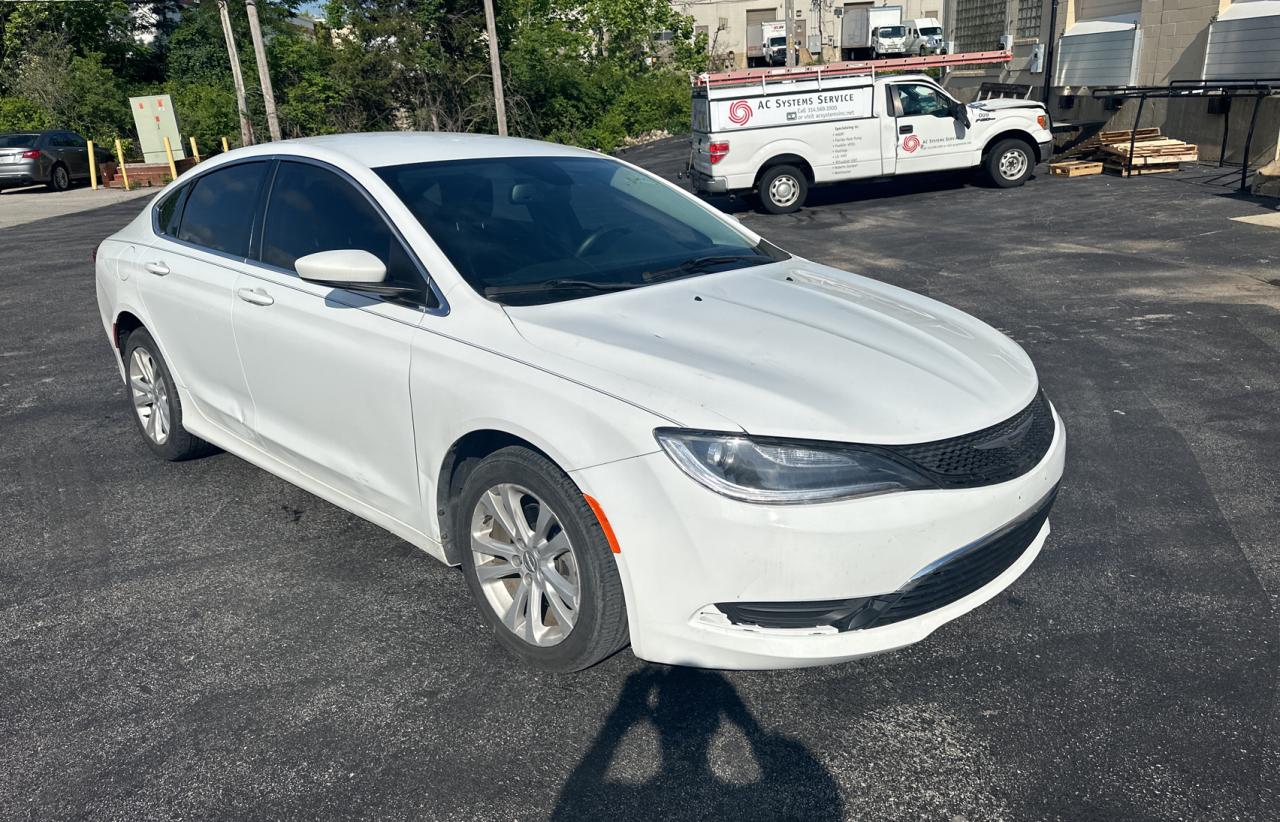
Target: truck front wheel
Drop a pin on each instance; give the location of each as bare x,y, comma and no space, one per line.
783,189
1010,163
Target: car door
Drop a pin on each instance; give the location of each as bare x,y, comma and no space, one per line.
328,368
76,152
927,137
187,283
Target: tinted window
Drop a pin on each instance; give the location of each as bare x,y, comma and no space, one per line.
537,229
18,140
168,212
219,210
312,209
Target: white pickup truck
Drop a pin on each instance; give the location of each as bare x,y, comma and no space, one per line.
780,132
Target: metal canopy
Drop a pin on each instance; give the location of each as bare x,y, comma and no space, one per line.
1257,88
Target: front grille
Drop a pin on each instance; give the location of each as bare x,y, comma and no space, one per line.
959,575
1001,452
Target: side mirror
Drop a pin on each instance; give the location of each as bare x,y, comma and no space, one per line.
960,112
350,268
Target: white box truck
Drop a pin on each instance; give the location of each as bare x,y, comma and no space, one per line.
780,137
773,42
868,32
924,36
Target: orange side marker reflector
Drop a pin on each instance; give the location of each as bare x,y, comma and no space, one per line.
604,523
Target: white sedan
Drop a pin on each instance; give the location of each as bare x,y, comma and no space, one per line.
626,416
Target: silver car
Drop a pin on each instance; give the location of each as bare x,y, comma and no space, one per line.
55,158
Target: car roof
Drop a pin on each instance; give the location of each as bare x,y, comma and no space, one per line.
391,148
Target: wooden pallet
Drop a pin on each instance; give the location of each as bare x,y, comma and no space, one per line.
1075,168
1090,147
1120,170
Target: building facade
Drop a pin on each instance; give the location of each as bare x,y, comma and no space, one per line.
1136,43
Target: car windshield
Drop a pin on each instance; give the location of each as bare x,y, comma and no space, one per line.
18,140
931,31
892,31
531,230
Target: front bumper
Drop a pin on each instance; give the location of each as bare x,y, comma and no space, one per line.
686,550
1046,151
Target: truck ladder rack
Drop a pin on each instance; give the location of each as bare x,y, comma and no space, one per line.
848,68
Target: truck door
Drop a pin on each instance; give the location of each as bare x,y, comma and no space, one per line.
928,137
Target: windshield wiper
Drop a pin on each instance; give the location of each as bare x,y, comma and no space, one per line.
699,265
556,285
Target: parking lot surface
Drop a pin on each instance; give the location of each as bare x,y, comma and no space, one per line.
32,203
202,640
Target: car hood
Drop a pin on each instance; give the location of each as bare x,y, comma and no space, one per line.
998,104
789,349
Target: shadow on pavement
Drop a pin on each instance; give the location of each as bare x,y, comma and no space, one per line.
687,710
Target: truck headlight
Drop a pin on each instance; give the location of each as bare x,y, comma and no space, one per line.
780,471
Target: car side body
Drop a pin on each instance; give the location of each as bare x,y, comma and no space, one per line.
380,405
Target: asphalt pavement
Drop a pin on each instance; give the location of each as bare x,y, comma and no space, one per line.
203,641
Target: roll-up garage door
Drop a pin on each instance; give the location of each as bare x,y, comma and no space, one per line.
1098,54
1244,42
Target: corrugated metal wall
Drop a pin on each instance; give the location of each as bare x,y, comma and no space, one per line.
1243,49
1099,59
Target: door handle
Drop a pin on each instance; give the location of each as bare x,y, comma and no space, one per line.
905,129
158,269
254,295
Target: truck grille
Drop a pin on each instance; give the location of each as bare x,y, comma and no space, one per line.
959,575
1001,452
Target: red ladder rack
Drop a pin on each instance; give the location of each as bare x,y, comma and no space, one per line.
848,68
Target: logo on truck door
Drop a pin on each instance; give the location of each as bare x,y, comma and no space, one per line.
911,143
740,112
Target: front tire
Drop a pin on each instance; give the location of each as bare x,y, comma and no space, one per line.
1010,163
154,400
783,189
538,564
59,178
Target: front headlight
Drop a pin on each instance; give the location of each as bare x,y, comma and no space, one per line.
770,470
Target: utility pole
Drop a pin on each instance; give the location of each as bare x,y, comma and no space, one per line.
264,73
495,67
788,9
246,127
1048,53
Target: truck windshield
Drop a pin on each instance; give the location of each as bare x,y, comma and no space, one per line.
931,31
777,41
531,230
891,31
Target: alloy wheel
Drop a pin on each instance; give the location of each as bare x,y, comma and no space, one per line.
525,564
61,179
150,395
1013,164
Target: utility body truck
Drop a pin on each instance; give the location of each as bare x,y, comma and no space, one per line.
779,132
868,32
924,36
773,42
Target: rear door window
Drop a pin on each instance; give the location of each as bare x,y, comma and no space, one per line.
219,211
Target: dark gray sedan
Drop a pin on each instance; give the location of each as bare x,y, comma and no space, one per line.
55,158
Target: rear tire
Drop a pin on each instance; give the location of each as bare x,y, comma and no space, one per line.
1009,163
59,178
551,593
783,189
154,401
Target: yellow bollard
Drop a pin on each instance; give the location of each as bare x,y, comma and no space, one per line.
224,145
195,152
93,167
124,175
168,152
